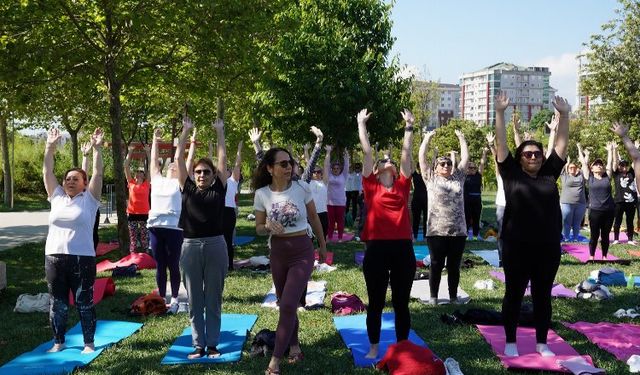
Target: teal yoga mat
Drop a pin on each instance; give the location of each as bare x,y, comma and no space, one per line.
353,330
421,251
243,240
38,361
233,334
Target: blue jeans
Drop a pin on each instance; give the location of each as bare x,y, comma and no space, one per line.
572,214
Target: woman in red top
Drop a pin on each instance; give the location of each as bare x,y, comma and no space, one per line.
138,206
389,256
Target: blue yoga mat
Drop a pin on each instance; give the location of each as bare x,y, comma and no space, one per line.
233,334
38,361
243,240
421,251
353,330
636,280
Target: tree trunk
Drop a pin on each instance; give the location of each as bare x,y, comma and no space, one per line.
73,134
4,144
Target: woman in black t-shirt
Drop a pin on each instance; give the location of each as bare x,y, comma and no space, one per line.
473,196
532,224
625,197
621,131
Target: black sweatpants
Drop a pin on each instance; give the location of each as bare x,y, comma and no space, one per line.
352,200
418,212
228,225
394,262
447,249
472,212
600,223
629,210
524,262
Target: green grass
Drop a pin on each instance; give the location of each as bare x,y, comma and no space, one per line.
26,203
325,352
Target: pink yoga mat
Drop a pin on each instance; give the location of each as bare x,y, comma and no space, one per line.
345,237
558,290
622,340
581,252
622,237
529,359
104,248
142,260
329,257
102,287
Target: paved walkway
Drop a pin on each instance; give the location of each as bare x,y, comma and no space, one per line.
17,228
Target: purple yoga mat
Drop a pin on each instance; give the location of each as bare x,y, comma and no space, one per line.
581,252
622,237
529,359
345,237
558,290
359,257
622,340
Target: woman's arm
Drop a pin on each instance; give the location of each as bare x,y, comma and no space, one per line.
154,168
516,130
345,164
192,151
367,162
147,154
313,160
95,184
327,164
464,151
583,157
562,134
86,149
183,173
610,160
316,225
50,182
236,167
406,162
501,103
483,160
491,139
254,135
218,125
127,163
553,127
622,131
425,167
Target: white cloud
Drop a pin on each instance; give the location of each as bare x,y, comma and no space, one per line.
564,70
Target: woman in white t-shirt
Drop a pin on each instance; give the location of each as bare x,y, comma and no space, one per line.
70,258
282,208
229,214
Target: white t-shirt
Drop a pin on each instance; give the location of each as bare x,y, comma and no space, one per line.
354,182
288,207
71,223
166,203
232,190
500,199
319,193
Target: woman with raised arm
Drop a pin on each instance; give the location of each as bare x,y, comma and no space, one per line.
137,205
625,196
389,256
601,206
86,150
336,198
70,258
532,223
164,215
203,261
573,201
446,226
285,212
473,196
229,218
622,131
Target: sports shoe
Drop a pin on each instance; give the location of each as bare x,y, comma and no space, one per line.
433,301
615,242
632,243
212,352
183,307
197,353
173,308
452,366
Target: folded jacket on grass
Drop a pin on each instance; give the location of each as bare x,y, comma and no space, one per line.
142,260
622,339
38,361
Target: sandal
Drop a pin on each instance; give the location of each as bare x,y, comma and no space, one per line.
295,358
270,371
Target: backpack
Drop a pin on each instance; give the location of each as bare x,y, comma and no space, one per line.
148,304
343,303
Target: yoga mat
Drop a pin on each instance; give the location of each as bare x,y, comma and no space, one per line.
558,290
102,287
489,256
420,290
316,290
622,237
243,240
421,251
622,340
328,259
635,253
529,359
142,260
104,248
359,257
353,330
346,236
233,334
636,280
38,361
581,252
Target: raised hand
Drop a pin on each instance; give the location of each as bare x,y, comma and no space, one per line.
527,136
555,120
561,104
187,124
490,138
318,133
157,133
328,148
306,147
459,134
501,101
621,130
363,116
218,124
53,136
428,135
516,121
97,138
255,134
408,116
85,148
240,145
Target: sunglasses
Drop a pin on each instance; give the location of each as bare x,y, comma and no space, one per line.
204,172
317,172
446,163
284,163
531,154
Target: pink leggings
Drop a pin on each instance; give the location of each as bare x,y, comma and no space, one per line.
291,267
336,216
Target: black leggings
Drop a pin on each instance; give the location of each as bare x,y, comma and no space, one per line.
449,249
352,200
389,261
600,223
96,237
629,210
472,212
76,273
324,221
419,208
229,224
524,262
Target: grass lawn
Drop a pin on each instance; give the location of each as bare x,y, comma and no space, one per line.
27,203
324,350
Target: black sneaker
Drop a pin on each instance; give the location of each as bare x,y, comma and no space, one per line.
212,352
197,353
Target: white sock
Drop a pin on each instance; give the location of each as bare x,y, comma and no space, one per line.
174,300
511,349
544,350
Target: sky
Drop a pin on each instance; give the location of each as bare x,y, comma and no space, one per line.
448,38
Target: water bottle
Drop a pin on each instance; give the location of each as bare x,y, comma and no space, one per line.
630,281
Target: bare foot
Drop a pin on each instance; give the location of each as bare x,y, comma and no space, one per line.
56,348
88,348
373,352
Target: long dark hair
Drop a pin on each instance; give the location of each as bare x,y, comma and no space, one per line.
531,142
261,176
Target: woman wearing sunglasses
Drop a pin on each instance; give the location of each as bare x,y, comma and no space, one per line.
204,260
389,256
446,225
286,212
532,223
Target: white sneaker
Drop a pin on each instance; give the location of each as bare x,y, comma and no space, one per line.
615,242
452,366
632,243
173,308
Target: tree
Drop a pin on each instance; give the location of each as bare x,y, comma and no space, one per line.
613,72
539,120
425,98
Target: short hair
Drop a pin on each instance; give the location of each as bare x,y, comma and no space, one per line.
79,170
531,142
